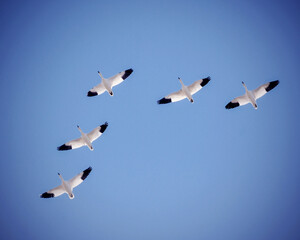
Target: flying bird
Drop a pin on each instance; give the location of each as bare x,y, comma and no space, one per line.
252,96
108,83
185,91
85,139
67,186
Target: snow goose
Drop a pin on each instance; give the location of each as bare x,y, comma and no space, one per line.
108,83
85,139
185,91
252,96
67,186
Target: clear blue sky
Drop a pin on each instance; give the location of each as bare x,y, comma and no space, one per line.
176,171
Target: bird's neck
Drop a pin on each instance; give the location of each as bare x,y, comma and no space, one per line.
181,82
245,87
80,130
61,178
100,74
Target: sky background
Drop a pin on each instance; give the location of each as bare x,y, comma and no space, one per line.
176,171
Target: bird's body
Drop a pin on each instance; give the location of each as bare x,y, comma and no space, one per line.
67,186
85,139
108,83
185,91
252,96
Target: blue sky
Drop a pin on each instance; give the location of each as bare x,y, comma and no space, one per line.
176,171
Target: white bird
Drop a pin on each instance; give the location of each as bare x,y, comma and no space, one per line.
252,96
108,83
67,186
85,139
185,91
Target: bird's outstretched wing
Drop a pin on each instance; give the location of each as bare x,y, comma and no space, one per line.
97,90
173,97
238,101
55,192
196,86
97,132
76,143
120,77
263,89
79,178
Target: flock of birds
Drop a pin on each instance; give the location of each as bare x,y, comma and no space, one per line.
106,85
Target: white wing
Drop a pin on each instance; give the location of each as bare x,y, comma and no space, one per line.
55,192
120,77
99,89
77,143
173,97
97,132
196,86
75,181
263,89
239,101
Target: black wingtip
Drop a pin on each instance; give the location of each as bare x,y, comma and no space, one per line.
232,105
103,127
272,85
205,81
164,101
47,195
127,73
64,147
92,94
86,172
